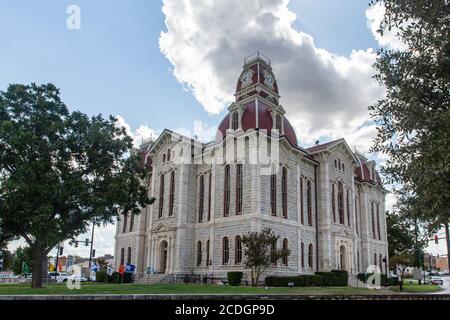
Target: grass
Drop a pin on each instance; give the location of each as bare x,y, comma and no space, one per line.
61,289
412,286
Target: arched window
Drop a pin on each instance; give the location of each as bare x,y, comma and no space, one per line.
164,157
333,201
373,220
207,253
201,199
172,193
161,196
310,256
356,216
375,259
301,202
129,255
237,250
339,164
357,261
284,257
378,221
342,258
235,120
209,196
225,250
309,202
273,252
341,203
125,221
122,256
278,124
347,204
380,261
226,195
199,253
343,167
273,194
303,254
284,192
168,154
239,181
335,163
131,221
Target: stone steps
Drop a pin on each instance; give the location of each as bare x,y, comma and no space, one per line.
154,279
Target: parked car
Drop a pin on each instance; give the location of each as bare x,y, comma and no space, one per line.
437,280
77,277
59,276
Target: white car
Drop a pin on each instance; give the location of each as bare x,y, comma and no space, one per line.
59,276
76,277
437,280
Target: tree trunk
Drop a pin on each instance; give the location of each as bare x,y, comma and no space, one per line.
39,256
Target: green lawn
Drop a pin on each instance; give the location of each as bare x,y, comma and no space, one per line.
413,286
61,289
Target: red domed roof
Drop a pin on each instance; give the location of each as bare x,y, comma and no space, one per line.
251,121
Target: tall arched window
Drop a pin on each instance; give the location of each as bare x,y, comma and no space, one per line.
356,216
284,257
164,157
161,196
284,192
333,201
302,250
273,252
347,204
209,196
168,154
342,259
273,194
201,198
341,203
129,255
239,181
235,120
225,250
199,253
172,193
310,256
237,250
122,256
207,252
278,123
131,222
357,261
380,261
125,221
373,220
226,195
309,202
302,220
375,259
378,221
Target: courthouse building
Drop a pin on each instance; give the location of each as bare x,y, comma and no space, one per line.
326,203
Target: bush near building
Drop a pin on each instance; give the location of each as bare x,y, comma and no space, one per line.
234,278
101,276
335,278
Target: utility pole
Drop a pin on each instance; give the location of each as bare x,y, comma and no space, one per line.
57,258
90,251
447,240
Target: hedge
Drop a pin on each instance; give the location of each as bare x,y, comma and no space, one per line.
335,278
298,281
234,278
364,276
101,276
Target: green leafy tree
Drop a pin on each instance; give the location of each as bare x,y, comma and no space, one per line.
22,255
61,171
7,257
413,118
258,254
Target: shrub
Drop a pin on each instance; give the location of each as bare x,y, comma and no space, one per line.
117,278
341,277
393,281
234,278
298,281
364,276
100,276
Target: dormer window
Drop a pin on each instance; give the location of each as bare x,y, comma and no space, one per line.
235,121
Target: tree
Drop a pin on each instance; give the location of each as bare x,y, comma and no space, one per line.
413,118
61,171
22,255
258,254
400,263
7,257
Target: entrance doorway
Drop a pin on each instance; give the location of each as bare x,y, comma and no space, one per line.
163,257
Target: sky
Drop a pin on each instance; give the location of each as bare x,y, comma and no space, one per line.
172,63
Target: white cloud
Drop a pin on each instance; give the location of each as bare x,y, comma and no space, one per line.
140,134
324,94
374,15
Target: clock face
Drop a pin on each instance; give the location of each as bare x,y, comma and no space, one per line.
268,79
246,78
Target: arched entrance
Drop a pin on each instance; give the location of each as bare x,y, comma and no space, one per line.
163,257
342,258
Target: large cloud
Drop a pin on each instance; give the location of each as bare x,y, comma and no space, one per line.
325,95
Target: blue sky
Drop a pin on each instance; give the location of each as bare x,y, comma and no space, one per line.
116,65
